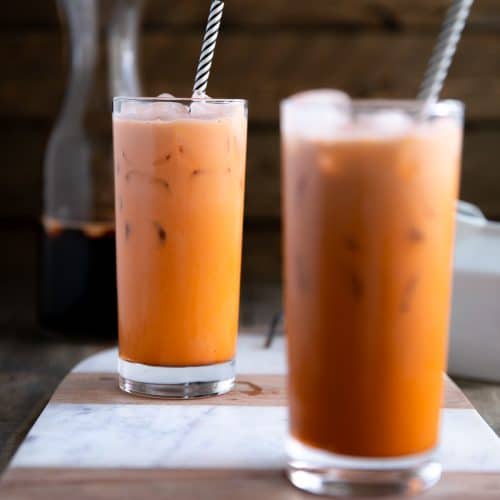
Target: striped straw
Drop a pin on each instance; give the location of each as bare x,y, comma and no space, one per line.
208,47
440,61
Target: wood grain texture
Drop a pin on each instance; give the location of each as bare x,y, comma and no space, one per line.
22,398
31,364
31,367
480,173
367,47
249,390
279,14
102,388
111,484
453,396
486,399
365,64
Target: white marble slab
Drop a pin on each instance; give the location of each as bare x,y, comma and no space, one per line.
251,358
181,436
199,436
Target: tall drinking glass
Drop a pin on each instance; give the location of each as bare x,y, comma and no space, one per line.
369,199
179,185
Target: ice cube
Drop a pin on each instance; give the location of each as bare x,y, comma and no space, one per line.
385,123
316,114
128,108
169,111
323,96
204,109
136,110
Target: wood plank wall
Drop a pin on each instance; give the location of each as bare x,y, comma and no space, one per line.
268,49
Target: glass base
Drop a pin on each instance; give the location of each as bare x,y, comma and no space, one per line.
176,382
325,473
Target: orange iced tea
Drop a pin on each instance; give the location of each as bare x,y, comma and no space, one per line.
369,204
179,180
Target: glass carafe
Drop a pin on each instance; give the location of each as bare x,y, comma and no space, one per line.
78,276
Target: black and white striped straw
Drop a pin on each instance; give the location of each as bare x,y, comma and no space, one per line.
440,61
208,47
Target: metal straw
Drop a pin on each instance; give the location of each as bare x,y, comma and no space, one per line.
208,47
440,61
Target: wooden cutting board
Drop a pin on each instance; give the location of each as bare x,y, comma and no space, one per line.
94,442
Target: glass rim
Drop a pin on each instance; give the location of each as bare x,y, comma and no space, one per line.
182,100
445,107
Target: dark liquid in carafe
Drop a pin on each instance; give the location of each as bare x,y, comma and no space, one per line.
78,280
